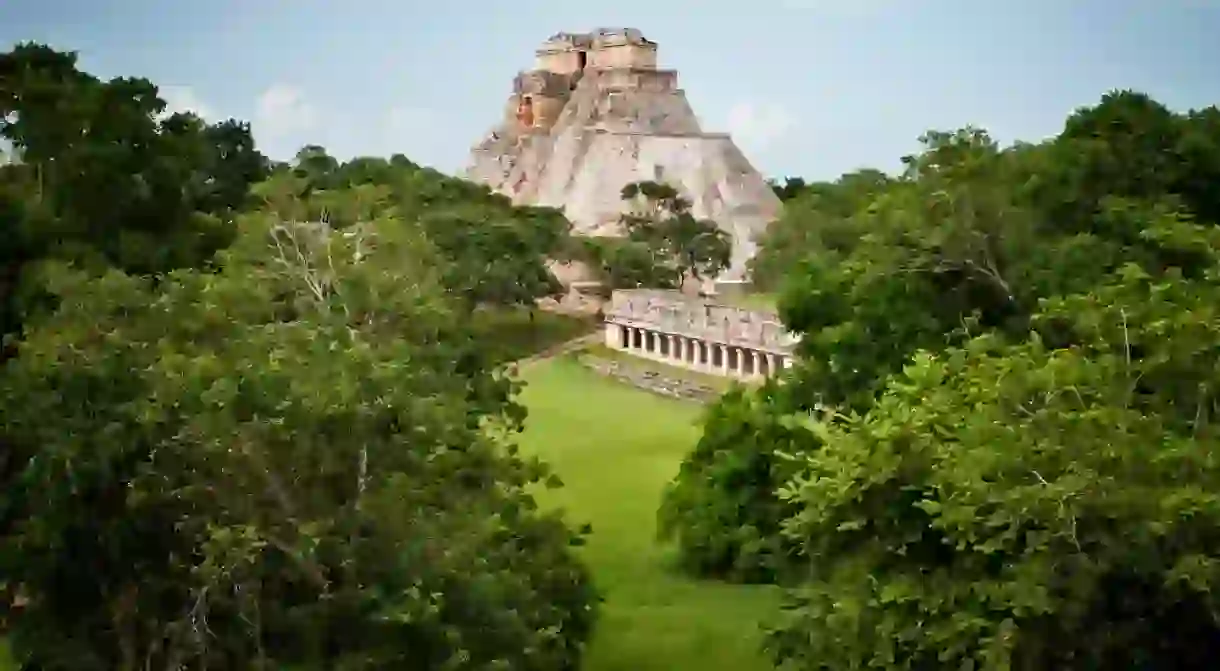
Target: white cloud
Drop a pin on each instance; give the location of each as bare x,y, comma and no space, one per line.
756,126
184,99
283,110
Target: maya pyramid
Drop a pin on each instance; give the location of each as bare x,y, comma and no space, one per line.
596,114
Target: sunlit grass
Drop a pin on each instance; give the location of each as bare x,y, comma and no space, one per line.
615,447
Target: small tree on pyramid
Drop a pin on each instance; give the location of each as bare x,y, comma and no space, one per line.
682,246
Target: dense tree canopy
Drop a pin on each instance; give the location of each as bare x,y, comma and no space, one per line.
263,420
343,502
106,177
998,447
495,253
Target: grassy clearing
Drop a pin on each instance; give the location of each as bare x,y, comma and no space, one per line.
615,447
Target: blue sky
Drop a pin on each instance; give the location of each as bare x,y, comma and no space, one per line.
808,87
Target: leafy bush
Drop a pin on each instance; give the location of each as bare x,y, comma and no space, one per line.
722,509
516,333
297,462
1003,507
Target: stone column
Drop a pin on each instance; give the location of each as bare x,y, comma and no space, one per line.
724,361
772,364
614,336
756,358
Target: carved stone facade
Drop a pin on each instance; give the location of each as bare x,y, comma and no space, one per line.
595,114
679,330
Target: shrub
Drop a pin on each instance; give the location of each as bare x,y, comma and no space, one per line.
722,509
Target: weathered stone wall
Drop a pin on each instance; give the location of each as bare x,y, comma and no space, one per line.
560,62
604,48
639,79
542,82
674,313
652,381
623,56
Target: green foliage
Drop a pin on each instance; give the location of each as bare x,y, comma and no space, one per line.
494,253
106,178
1001,507
810,211
946,247
1018,350
664,243
511,334
623,263
722,509
1131,146
299,461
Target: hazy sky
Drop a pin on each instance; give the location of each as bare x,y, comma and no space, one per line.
808,87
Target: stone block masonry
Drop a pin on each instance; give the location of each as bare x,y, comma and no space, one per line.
678,330
595,114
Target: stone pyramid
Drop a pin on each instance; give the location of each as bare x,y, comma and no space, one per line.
596,114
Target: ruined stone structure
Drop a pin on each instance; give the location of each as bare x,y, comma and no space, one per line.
670,327
596,114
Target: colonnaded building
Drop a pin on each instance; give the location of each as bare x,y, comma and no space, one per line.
694,333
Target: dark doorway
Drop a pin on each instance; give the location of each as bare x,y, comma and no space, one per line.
525,111
582,59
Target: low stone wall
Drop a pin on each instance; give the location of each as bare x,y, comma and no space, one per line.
651,381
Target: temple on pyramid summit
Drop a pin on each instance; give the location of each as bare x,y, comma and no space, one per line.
595,114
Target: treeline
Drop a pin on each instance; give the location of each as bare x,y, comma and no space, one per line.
999,447
256,415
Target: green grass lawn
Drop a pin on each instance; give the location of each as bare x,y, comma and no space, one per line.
751,301
615,447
